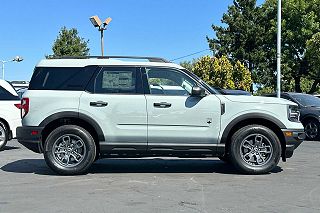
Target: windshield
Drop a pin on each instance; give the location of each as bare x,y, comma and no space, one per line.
306,100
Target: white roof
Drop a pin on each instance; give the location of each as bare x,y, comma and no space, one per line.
8,87
101,62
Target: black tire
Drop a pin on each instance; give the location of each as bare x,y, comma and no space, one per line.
69,150
3,135
312,129
255,149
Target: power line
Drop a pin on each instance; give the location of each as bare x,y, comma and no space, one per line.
190,55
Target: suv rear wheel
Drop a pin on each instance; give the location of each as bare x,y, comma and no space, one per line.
255,149
3,135
69,150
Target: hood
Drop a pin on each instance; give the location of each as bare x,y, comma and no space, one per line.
258,99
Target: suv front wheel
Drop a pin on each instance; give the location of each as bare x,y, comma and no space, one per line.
255,149
69,150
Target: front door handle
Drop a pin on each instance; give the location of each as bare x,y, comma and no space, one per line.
98,104
162,105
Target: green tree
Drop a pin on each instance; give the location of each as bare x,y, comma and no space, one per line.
300,23
219,71
69,43
313,56
240,37
189,65
249,35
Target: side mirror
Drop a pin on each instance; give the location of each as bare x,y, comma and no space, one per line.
198,91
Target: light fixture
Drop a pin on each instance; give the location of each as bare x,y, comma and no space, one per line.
96,22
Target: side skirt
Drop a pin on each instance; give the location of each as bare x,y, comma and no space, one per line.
121,150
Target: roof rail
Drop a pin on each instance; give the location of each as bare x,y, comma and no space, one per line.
150,59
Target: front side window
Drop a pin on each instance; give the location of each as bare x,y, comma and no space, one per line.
115,80
165,81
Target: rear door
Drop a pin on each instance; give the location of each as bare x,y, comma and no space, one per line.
115,100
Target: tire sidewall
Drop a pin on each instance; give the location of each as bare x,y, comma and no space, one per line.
318,127
4,143
236,141
90,153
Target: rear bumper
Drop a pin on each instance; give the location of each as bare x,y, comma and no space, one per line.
30,137
293,139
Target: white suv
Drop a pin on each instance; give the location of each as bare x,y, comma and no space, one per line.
79,109
9,112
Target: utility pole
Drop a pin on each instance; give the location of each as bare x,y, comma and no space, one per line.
279,51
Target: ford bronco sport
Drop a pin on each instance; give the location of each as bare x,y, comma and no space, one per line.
77,110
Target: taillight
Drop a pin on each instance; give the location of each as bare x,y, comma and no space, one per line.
24,107
18,106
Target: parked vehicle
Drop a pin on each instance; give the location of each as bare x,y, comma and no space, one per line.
9,112
309,107
232,91
20,84
77,110
21,92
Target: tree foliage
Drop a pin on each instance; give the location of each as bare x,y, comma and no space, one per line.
313,56
219,71
69,43
249,35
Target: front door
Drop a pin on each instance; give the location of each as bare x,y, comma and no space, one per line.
175,118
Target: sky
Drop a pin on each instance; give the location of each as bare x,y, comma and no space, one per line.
162,28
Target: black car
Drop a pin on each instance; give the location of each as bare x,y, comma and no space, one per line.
232,91
309,106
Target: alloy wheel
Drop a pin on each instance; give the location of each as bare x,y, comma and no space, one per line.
69,150
256,150
311,130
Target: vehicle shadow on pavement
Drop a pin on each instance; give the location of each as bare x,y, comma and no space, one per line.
6,148
38,166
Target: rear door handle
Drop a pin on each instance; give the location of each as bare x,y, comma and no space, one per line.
162,105
98,104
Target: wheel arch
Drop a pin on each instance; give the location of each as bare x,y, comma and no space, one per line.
309,117
74,118
254,118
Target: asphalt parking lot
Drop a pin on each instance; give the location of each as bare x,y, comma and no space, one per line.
159,185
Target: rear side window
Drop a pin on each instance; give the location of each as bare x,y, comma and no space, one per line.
115,80
61,78
7,96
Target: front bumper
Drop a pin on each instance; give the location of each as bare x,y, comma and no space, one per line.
293,139
30,137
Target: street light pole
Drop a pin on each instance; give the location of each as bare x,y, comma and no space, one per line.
95,20
102,45
3,69
16,59
279,51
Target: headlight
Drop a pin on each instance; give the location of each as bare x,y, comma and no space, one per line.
293,113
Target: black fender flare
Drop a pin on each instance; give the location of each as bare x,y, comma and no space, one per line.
249,116
309,116
70,114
